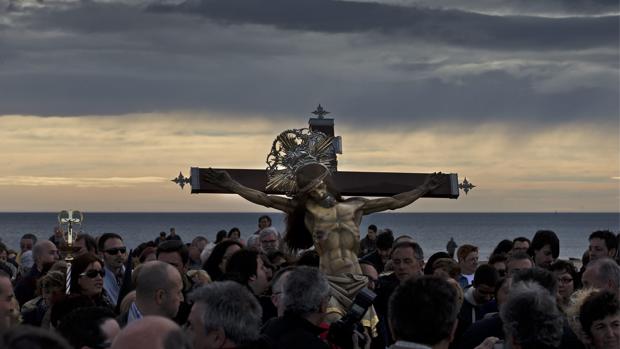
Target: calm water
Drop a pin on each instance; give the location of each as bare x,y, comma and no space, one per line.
431,230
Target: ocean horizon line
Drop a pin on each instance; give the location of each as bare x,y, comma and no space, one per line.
386,212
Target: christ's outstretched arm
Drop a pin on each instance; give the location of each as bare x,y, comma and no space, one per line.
403,199
223,179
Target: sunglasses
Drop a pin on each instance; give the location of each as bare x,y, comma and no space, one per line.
116,250
93,273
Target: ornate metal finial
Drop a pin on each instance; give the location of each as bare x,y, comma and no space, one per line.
181,180
466,186
320,112
293,149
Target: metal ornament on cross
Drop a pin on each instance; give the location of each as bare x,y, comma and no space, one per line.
68,218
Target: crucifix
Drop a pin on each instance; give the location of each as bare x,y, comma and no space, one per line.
302,180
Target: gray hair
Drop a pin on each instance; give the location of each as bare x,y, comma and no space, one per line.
268,231
305,289
606,269
231,307
531,317
153,276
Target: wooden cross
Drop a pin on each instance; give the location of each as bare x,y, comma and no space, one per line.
371,184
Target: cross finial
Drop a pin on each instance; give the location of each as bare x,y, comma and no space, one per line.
320,112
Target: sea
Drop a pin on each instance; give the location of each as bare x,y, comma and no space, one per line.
431,230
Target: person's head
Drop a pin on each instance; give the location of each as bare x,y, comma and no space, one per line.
531,318
7,306
306,292
545,248
468,258
599,317
503,247
314,181
30,337
264,222
216,263
369,270
162,235
113,250
428,267
221,235
424,310
407,260
603,243
173,232
385,240
603,274
234,233
58,232
159,289
372,232
148,254
517,261
542,277
498,261
87,275
89,327
567,278
520,244
224,315
52,286
175,253
277,287
199,242
152,332
484,282
445,267
4,252
86,243
247,268
268,238
278,258
44,253
27,242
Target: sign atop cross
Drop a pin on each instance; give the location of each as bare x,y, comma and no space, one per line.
349,183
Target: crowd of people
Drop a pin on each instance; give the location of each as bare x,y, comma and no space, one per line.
253,292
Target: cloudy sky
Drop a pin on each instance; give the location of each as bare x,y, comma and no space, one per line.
103,101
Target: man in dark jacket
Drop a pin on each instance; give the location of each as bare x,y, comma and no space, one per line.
305,297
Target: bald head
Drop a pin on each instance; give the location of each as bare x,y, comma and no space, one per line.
153,332
159,289
44,253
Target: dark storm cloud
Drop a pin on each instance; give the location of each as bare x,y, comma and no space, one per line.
453,27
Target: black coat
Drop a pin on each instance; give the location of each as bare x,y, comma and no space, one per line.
290,331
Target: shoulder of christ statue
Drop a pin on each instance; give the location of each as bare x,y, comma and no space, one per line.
369,184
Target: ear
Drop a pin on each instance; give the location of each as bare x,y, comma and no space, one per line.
159,296
612,252
216,338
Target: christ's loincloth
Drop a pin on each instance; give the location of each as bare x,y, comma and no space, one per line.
343,289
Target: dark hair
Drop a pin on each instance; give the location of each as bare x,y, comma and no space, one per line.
372,227
212,264
264,217
232,230
543,238
562,265
423,310
3,248
309,258
498,258
29,236
485,275
105,237
597,306
464,250
385,240
273,255
29,337
428,267
417,250
173,246
242,266
611,241
521,239
89,242
81,327
219,237
541,276
78,266
504,246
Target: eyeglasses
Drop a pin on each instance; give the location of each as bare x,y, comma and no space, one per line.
269,241
93,273
116,250
565,280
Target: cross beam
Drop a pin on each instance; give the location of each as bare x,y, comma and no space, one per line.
348,183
